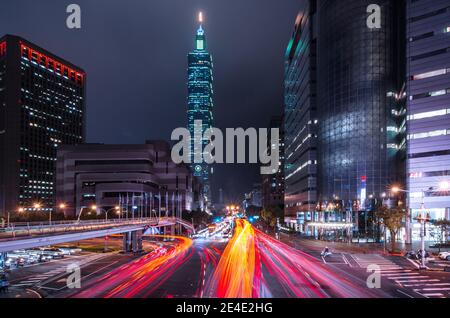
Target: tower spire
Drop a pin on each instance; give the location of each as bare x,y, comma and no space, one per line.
200,39
200,21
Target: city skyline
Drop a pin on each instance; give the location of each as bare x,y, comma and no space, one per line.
121,127
136,88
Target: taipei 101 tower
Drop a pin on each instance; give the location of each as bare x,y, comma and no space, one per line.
200,105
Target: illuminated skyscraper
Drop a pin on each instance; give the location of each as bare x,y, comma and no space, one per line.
428,107
200,103
42,106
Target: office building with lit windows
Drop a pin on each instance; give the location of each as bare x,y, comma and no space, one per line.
200,104
272,186
140,179
300,120
42,106
428,106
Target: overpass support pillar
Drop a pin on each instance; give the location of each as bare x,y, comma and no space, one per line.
136,241
132,242
127,242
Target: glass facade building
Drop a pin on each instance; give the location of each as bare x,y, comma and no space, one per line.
428,105
42,106
300,118
272,186
360,80
200,105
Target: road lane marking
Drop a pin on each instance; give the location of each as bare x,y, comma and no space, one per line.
400,291
437,288
401,277
427,285
418,281
400,274
432,295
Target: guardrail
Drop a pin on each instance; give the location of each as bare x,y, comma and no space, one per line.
40,228
23,229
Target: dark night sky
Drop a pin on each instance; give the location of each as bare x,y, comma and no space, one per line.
134,53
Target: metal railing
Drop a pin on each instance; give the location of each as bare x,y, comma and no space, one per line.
40,228
23,229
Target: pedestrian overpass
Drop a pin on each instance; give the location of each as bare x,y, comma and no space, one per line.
30,235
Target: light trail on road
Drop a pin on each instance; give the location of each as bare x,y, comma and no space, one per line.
251,254
233,277
252,265
302,274
141,277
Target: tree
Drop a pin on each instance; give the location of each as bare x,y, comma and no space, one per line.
392,219
271,214
443,225
268,217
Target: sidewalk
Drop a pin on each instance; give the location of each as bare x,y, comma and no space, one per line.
366,248
14,292
352,248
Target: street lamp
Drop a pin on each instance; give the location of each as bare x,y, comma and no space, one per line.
423,221
20,210
116,208
93,207
62,206
443,186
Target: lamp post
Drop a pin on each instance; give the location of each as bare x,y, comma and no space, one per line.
93,207
443,186
116,208
423,221
20,210
62,207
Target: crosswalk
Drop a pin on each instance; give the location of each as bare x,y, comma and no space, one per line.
37,279
440,263
419,282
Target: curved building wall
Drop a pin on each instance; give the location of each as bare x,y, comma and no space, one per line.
357,68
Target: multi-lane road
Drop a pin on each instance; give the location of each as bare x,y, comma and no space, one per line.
251,264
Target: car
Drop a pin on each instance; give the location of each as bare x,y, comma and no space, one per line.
444,256
53,252
18,258
69,250
411,255
10,262
428,256
39,254
20,261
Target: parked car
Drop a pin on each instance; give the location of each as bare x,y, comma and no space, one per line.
18,258
70,250
427,254
411,255
53,252
444,256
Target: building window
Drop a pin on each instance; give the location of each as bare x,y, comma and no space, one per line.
430,94
434,133
440,112
431,74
